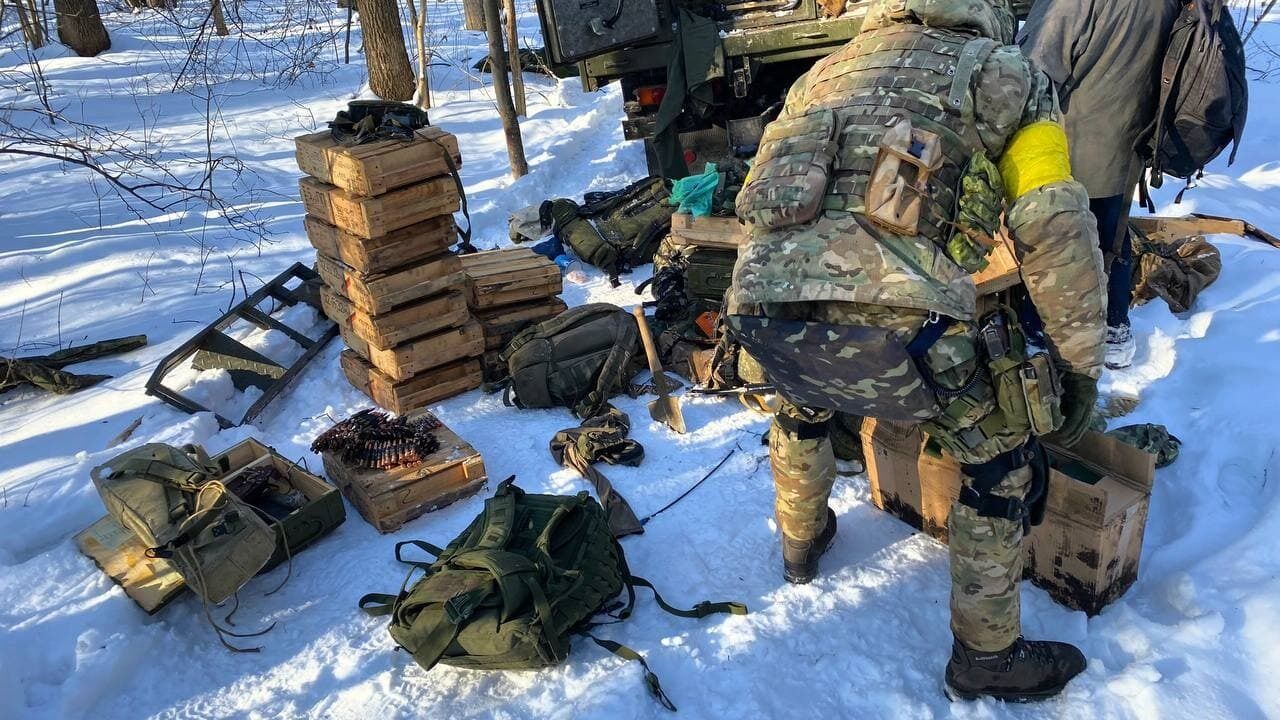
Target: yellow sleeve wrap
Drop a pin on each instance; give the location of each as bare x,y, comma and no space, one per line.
1035,156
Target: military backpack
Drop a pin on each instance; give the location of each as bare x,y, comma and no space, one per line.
1204,97
613,231
510,592
578,359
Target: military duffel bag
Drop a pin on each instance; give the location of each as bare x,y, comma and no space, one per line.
510,592
578,359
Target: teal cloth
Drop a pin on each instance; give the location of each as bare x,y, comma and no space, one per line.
695,194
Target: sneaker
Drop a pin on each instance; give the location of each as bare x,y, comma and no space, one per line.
1025,671
1120,347
800,557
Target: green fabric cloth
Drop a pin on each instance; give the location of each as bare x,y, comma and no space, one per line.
45,371
689,77
602,438
695,194
1153,438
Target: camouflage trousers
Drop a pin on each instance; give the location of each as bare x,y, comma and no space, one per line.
986,553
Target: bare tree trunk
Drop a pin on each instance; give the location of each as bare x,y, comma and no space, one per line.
31,29
513,49
219,21
390,75
424,55
473,15
502,90
80,26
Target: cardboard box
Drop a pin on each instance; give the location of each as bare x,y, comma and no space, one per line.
419,391
500,324
407,360
374,168
390,498
1085,553
507,277
399,325
379,293
371,217
397,249
154,583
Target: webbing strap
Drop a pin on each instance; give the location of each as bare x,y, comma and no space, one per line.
465,247
422,545
930,333
698,611
973,54
984,477
499,517
650,680
801,429
377,604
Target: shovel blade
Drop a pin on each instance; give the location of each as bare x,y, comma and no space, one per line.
666,410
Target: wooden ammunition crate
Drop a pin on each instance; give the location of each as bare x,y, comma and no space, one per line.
396,249
390,498
374,168
419,391
399,325
500,324
406,360
371,217
724,233
506,277
379,293
153,583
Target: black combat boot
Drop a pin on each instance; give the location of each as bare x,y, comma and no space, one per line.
800,557
1023,672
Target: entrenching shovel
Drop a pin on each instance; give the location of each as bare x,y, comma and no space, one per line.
665,409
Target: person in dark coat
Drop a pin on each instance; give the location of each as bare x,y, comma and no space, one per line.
1104,58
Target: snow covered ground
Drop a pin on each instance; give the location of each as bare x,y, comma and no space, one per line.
1194,638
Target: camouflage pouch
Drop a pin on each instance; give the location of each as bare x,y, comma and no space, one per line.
899,182
787,184
856,369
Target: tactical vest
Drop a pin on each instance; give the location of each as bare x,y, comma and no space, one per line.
901,71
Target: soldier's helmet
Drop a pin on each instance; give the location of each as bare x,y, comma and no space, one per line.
988,18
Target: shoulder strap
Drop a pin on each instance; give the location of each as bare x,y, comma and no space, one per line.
650,680
465,246
611,373
499,517
974,53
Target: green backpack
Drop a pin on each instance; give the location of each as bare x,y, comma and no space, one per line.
613,231
578,359
509,593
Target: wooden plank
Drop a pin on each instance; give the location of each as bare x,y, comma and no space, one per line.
151,583
1164,229
1002,271
399,325
406,360
725,233
423,389
371,217
375,168
500,324
396,249
379,293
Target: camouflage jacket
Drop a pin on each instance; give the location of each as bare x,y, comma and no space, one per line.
927,60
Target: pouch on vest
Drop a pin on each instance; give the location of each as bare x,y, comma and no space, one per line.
856,369
787,184
899,182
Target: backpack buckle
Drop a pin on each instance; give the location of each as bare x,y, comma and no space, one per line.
459,608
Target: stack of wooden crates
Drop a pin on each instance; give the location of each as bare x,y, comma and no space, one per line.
508,290
380,216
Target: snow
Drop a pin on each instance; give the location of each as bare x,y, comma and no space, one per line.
1194,637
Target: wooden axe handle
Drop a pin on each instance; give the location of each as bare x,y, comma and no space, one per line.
651,351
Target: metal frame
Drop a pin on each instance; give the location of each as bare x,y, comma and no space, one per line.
213,336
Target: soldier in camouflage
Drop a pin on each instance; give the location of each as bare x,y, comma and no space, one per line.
874,196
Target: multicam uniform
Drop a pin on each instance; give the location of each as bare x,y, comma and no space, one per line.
947,67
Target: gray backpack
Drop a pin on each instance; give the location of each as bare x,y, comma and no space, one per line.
578,359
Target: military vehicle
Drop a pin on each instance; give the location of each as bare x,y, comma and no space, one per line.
763,46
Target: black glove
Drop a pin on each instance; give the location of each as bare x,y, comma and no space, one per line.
1079,395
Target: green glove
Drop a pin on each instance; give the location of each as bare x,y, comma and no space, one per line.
977,214
1079,395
